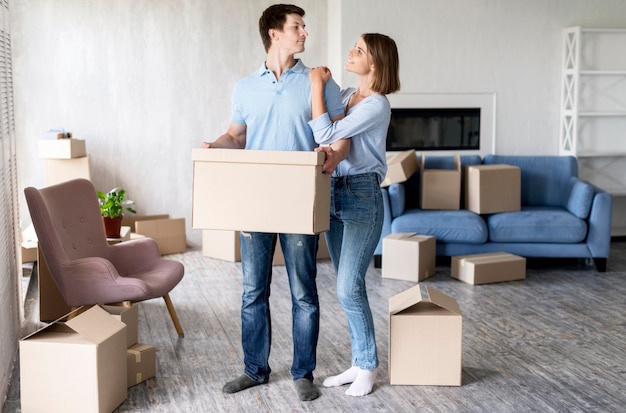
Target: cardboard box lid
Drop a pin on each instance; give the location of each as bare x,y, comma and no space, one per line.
95,325
258,156
489,258
416,295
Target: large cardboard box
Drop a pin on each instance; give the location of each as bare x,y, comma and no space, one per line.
440,188
425,338
265,191
492,188
62,170
140,363
168,233
408,256
131,219
75,366
62,148
221,244
128,316
400,167
488,268
52,305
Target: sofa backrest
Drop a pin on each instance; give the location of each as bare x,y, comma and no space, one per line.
545,179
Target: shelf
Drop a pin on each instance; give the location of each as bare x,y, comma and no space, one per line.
617,113
603,72
600,154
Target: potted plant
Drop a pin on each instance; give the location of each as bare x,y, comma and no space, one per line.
112,207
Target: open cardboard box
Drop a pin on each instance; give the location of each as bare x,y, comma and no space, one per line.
75,366
425,338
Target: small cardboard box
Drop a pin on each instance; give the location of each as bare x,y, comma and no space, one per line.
400,167
140,363
29,251
408,256
131,219
62,148
425,338
77,366
440,188
62,170
168,233
488,268
265,191
52,305
221,244
322,251
128,316
492,188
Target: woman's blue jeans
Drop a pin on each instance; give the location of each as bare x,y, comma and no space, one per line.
356,221
257,252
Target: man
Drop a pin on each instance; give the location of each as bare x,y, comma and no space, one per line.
270,111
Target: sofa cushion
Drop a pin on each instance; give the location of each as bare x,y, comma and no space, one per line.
446,226
580,198
537,224
396,199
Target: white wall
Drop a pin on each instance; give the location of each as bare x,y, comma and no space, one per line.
145,81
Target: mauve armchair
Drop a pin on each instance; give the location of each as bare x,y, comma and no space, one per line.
86,269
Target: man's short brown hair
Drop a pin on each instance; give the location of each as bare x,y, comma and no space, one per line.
274,17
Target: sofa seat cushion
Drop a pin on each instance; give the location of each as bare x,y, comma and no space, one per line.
537,224
446,226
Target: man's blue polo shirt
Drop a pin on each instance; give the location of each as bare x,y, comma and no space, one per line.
276,112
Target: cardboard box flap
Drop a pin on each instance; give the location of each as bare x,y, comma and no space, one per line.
419,294
492,257
258,156
96,324
56,325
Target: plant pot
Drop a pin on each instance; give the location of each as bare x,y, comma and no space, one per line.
112,226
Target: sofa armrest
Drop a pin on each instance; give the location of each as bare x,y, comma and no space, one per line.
397,199
599,236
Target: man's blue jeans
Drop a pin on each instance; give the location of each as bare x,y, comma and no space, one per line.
257,251
356,220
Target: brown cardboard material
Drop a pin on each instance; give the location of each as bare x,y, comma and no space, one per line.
124,236
408,256
265,191
492,188
140,363
75,366
131,219
221,244
400,167
62,148
440,188
425,338
488,268
52,305
29,251
168,233
62,170
128,316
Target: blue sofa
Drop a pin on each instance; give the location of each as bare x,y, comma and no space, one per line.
561,215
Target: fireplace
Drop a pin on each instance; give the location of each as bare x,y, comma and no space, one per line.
440,124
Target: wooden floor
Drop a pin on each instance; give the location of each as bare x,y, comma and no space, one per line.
555,342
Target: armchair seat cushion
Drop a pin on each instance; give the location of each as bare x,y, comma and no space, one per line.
537,225
446,226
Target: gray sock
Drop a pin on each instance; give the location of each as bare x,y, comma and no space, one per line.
306,390
241,383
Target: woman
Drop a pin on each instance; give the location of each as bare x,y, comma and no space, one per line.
356,199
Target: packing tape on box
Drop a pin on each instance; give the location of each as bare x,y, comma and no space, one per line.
138,378
136,353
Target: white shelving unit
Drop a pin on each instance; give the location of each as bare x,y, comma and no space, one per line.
593,111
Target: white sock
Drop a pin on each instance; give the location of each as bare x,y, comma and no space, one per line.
346,377
363,383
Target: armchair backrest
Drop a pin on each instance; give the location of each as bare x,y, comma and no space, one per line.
545,179
68,223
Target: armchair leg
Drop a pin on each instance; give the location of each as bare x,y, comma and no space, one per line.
172,311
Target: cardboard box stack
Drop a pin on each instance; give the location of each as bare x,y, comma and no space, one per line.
266,191
425,338
64,158
408,256
488,268
400,167
492,188
440,188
